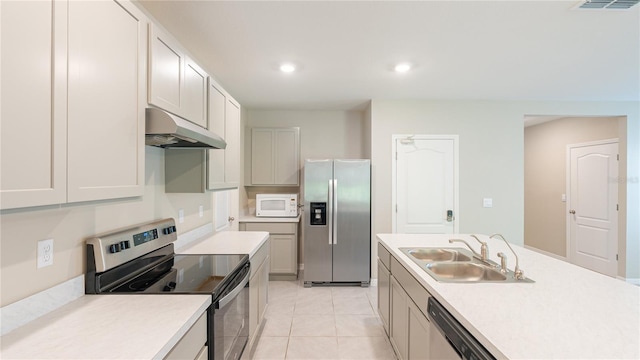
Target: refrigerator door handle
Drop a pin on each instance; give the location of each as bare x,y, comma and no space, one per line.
335,212
330,209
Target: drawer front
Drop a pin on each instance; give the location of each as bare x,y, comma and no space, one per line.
384,256
416,292
272,228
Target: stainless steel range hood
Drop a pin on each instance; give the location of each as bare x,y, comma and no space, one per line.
166,130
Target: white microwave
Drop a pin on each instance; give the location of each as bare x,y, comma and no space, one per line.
277,205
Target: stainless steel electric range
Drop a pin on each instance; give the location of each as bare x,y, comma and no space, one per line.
141,260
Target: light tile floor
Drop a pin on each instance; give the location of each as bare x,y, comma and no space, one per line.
321,322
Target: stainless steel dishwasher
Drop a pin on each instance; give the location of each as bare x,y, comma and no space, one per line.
450,340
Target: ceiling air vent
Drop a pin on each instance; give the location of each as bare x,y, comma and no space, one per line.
608,4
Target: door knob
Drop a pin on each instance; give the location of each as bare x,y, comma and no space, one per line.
231,218
572,211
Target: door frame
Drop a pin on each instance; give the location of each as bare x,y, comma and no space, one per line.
568,192
456,172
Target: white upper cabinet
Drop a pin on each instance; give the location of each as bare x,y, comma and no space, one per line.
223,167
195,93
176,83
107,88
73,84
275,156
33,97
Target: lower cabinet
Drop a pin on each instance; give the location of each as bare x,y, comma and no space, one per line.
258,288
399,324
418,333
406,301
193,343
383,294
283,252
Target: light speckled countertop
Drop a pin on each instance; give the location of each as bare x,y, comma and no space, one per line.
568,313
227,242
107,327
253,218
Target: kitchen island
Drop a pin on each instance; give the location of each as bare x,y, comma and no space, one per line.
568,312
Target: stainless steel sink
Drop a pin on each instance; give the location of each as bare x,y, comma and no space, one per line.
437,254
458,265
463,272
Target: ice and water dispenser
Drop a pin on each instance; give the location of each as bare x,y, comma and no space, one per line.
318,213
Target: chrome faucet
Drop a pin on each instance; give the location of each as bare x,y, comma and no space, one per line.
484,248
517,273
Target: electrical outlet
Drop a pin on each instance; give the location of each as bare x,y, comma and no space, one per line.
201,211
487,202
45,253
180,216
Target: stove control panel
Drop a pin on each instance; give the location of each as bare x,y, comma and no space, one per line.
112,249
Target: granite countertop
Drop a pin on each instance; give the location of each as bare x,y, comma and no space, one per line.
568,313
107,327
227,242
253,218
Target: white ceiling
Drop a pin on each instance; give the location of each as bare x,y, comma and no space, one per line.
493,50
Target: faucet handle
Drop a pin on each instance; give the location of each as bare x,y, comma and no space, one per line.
484,248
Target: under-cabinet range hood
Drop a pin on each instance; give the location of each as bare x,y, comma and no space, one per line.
166,130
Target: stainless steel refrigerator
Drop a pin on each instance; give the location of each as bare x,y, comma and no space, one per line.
337,221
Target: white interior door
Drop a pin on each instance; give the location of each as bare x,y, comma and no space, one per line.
593,201
425,189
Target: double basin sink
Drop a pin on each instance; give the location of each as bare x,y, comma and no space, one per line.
457,265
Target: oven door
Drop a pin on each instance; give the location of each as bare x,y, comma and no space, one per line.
231,319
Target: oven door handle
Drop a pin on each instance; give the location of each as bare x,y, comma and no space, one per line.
230,296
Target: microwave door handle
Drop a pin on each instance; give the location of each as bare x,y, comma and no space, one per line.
330,210
335,211
230,296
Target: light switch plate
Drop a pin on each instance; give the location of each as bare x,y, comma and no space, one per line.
45,253
487,202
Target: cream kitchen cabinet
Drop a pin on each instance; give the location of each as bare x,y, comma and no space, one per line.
84,115
275,156
176,83
384,283
258,287
283,238
223,166
408,322
106,98
34,99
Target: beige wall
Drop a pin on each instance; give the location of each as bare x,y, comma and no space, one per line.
323,135
545,148
70,224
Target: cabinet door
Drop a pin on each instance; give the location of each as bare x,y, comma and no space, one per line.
262,149
418,333
194,106
216,157
383,294
286,157
399,324
106,92
283,257
166,64
232,152
34,103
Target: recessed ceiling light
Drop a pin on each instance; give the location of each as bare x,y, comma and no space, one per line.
287,68
402,68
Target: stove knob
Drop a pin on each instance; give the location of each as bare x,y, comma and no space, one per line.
167,230
114,248
124,245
